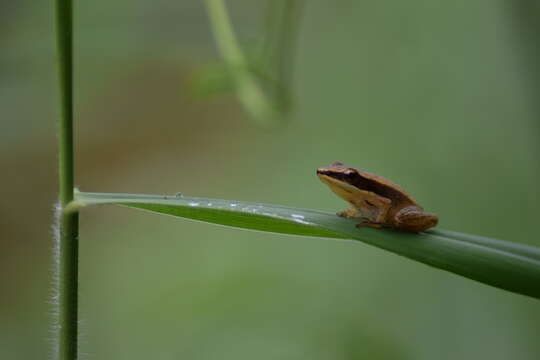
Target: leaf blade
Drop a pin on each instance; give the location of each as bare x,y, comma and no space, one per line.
498,263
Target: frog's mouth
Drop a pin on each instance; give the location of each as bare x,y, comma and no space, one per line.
344,176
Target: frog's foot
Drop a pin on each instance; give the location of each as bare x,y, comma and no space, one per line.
349,213
367,223
344,214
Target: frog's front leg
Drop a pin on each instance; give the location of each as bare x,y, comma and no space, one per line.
353,213
374,208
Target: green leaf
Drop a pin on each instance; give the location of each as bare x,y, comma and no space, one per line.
503,264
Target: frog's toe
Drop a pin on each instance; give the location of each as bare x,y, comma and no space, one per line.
369,224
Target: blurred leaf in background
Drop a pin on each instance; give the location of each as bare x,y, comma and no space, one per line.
435,95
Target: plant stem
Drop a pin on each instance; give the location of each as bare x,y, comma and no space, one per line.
67,246
250,94
280,35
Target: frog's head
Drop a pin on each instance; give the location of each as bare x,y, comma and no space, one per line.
338,172
340,178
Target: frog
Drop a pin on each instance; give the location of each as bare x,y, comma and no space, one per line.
376,201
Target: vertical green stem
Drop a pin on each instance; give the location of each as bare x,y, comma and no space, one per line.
67,246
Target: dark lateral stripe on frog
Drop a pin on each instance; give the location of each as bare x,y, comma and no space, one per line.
354,178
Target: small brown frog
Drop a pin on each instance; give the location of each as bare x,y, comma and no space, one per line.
375,200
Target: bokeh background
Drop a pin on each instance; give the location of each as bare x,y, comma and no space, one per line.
441,97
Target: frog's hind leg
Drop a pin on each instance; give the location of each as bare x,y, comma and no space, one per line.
413,218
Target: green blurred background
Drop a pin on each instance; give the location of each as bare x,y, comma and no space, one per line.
441,97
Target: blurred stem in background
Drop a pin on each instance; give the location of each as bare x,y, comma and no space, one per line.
526,26
262,82
66,247
279,42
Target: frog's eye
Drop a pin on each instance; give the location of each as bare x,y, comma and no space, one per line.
347,175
